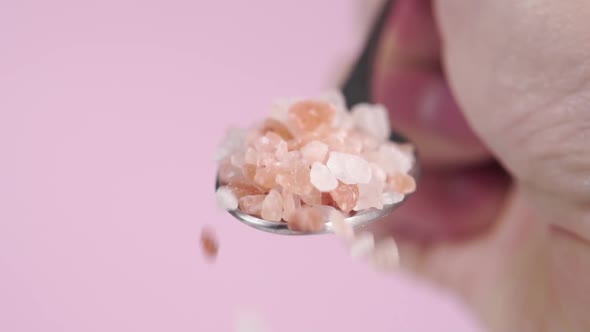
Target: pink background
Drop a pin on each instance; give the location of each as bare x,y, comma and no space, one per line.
109,115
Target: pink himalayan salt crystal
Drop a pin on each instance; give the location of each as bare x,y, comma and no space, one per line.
209,244
277,127
321,178
244,188
315,151
401,183
228,172
260,158
226,199
345,196
271,143
307,219
291,203
292,157
272,206
237,159
309,115
312,162
295,178
304,138
251,156
385,256
349,168
313,197
341,141
251,204
249,172
267,177
370,195
328,200
372,120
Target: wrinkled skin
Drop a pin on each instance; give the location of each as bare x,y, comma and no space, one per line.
507,83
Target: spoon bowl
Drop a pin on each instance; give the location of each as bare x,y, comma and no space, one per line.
358,219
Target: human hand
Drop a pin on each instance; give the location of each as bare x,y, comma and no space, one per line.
512,89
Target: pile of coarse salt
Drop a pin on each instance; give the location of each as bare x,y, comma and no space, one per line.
313,161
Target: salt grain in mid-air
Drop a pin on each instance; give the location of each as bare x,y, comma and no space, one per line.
249,322
209,244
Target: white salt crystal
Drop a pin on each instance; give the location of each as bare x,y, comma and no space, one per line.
315,151
344,120
378,173
370,196
233,141
372,120
391,197
322,178
226,199
392,159
340,226
334,98
349,168
362,246
280,109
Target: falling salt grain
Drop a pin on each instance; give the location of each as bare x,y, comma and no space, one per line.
209,244
340,227
386,255
226,199
250,323
362,245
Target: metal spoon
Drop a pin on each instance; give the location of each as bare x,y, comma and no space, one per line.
356,88
357,220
